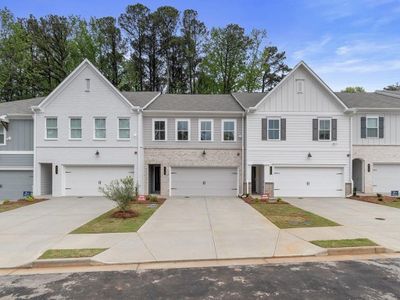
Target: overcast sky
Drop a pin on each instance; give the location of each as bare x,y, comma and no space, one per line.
347,42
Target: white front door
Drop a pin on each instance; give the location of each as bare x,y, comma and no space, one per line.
86,180
386,178
308,182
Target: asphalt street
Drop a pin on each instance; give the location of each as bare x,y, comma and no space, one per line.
372,279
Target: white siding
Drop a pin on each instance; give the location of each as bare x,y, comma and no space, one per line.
391,129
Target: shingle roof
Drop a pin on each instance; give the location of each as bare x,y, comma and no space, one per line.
139,98
20,106
186,102
369,100
249,99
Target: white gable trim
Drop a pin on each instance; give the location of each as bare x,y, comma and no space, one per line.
151,101
313,74
73,75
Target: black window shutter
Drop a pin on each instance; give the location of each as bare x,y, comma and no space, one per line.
264,133
334,129
363,127
315,129
381,127
283,129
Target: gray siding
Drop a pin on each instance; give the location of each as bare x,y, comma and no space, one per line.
16,160
14,183
46,181
194,142
21,133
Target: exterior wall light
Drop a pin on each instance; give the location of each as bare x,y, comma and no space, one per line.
309,155
204,152
97,153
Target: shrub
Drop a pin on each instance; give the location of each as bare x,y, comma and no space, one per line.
30,198
379,195
153,198
121,191
6,201
279,199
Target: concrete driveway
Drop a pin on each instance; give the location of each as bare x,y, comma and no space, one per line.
25,233
205,228
360,219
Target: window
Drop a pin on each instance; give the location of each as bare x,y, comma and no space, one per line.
324,129
100,128
274,129
2,135
124,129
75,126
51,128
159,130
372,126
228,130
182,130
206,130
300,86
87,85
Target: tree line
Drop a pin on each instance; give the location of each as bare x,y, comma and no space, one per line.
141,50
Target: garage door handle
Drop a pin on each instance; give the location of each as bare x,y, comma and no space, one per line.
67,188
234,189
276,189
67,172
339,190
173,188
276,173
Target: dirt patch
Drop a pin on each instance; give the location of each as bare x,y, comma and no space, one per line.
125,214
10,205
375,199
251,200
148,201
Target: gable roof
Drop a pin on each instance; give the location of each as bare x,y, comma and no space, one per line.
313,74
249,99
140,99
194,103
369,100
22,107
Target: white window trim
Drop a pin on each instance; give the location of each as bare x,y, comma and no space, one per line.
153,130
377,126
212,130
5,136
176,130
45,129
71,138
223,130
297,80
94,128
330,129
130,130
279,129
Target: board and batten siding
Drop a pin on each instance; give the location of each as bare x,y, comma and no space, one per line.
16,160
391,134
194,134
19,135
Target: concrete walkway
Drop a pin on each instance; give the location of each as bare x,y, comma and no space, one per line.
359,219
25,233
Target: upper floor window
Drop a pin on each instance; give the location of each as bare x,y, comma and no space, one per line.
75,125
124,129
372,126
206,130
2,135
300,86
159,130
274,129
100,130
51,128
324,129
228,130
182,130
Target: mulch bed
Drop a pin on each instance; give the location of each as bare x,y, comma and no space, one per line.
374,199
125,214
147,201
251,200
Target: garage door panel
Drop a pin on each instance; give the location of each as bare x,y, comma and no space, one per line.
386,178
204,181
86,180
14,184
308,182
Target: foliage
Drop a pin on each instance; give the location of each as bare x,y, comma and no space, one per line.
353,89
122,191
393,87
30,198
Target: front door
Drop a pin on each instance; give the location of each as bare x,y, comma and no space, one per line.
154,179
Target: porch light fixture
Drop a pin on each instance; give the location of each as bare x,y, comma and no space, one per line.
204,152
97,153
309,155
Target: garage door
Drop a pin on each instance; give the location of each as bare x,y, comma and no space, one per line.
386,178
308,182
86,180
204,181
13,184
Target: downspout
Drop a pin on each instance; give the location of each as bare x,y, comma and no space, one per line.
139,153
351,153
35,186
243,153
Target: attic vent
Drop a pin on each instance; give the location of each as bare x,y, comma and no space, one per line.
300,86
87,85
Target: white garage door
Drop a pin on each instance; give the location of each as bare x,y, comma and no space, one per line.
308,182
204,181
86,180
386,178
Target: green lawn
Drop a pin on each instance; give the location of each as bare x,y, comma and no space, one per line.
393,204
71,253
107,224
344,243
285,215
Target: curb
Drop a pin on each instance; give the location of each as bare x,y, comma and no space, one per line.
358,250
63,262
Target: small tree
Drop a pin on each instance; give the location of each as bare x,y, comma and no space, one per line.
122,191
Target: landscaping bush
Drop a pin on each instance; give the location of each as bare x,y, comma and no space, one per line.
30,198
121,191
153,198
6,202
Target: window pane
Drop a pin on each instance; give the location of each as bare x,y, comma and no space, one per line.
372,132
206,135
1,138
229,136
273,124
159,125
372,122
273,134
75,123
183,125
205,125
51,133
324,135
124,133
100,133
183,135
100,123
76,133
325,124
229,125
51,123
159,135
124,123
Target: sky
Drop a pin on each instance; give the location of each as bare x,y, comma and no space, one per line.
347,42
